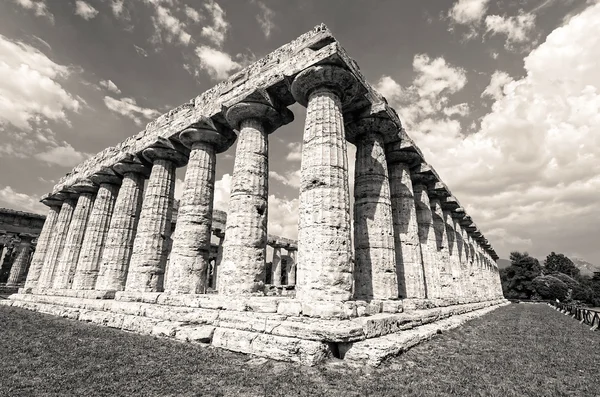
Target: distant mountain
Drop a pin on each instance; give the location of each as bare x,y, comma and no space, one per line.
585,267
503,263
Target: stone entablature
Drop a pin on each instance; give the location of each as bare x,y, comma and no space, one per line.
111,236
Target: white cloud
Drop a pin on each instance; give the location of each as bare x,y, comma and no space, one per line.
388,87
295,151
436,76
497,82
192,14
127,107
39,7
530,175
117,7
64,155
517,29
217,31
110,86
169,27
222,192
85,10
30,89
218,64
21,201
283,217
466,12
290,178
461,109
265,18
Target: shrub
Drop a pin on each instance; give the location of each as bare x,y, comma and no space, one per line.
550,287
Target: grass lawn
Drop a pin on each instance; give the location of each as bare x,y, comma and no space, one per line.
517,350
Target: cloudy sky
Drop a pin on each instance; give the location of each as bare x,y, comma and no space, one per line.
503,97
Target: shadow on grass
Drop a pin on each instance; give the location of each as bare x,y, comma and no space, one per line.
517,350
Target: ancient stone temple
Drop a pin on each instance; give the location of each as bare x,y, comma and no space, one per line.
416,262
18,237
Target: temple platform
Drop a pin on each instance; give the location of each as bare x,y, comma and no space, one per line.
279,328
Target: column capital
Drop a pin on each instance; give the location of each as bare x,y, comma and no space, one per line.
132,164
423,174
27,237
357,128
207,131
85,186
261,106
106,176
334,78
165,149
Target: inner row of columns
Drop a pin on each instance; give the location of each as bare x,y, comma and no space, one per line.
110,235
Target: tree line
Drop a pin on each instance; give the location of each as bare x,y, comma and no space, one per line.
558,278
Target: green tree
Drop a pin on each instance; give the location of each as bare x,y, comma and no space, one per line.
560,263
550,287
517,279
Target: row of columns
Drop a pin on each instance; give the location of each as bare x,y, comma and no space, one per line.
109,234
15,257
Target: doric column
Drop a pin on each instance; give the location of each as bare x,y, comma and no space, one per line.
324,249
221,235
58,242
242,270
427,239
375,274
118,245
88,264
443,256
43,243
189,258
150,247
7,260
65,270
453,255
461,256
19,268
291,266
276,266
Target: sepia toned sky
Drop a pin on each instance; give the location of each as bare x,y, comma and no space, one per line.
503,97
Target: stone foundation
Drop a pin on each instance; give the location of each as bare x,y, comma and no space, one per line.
279,328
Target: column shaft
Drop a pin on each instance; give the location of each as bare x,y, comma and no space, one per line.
242,269
65,270
57,244
118,246
276,267
88,264
150,248
324,268
291,268
43,245
375,258
427,242
189,258
444,269
19,267
216,268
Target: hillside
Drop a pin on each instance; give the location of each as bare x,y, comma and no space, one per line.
585,267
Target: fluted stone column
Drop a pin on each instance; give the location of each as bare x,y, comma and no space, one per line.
150,248
453,256
375,274
88,264
57,244
242,270
118,246
65,270
219,258
276,266
291,267
189,258
19,267
7,261
443,256
461,259
427,241
43,243
324,267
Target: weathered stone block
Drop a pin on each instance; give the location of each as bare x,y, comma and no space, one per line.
203,333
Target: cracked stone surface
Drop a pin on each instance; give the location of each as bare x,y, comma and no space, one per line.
67,263
57,243
375,274
88,264
411,279
443,256
42,248
114,264
150,248
324,268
